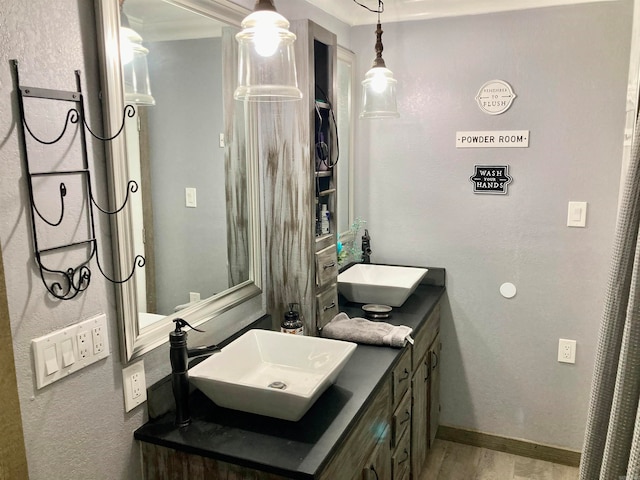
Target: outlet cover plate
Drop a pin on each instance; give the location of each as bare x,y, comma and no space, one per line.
69,349
134,386
566,351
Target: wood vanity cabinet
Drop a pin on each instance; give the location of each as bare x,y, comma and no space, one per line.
389,440
425,389
433,394
414,387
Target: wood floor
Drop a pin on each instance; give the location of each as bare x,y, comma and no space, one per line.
455,461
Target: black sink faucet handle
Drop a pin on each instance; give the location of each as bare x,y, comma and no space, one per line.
181,323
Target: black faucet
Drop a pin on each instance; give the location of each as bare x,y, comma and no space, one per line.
366,247
179,356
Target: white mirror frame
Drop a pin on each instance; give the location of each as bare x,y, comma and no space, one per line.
133,341
348,57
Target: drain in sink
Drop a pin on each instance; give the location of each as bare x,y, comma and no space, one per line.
278,385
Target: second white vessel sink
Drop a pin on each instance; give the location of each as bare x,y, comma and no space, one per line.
380,284
271,373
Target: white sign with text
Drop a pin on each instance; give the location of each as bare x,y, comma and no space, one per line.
495,97
493,139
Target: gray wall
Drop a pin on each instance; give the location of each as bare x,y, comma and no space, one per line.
75,428
568,66
190,243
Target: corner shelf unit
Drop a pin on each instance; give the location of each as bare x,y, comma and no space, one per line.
302,264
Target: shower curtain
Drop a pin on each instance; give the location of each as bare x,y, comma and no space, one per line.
612,440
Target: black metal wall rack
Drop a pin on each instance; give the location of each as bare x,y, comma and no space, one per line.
67,283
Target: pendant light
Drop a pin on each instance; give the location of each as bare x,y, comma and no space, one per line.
266,64
379,86
133,57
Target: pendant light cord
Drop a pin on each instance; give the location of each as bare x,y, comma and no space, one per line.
379,10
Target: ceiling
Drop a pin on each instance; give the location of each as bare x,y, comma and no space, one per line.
399,10
161,20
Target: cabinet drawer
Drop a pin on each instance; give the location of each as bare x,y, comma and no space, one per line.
401,419
401,458
424,337
326,305
401,377
326,265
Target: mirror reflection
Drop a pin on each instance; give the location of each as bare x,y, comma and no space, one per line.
345,78
196,214
177,151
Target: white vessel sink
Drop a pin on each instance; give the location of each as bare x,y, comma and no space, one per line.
381,284
271,373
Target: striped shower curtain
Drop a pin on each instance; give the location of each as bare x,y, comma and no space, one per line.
612,440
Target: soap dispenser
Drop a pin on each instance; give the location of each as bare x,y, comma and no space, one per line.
179,357
292,323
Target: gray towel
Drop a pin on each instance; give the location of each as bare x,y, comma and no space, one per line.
360,330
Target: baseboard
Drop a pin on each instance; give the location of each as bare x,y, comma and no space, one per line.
510,445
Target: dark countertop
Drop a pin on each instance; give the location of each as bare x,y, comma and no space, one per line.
292,449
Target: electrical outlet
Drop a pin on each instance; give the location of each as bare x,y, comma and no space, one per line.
84,344
567,351
134,386
98,340
63,352
194,297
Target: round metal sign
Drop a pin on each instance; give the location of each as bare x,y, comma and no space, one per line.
495,97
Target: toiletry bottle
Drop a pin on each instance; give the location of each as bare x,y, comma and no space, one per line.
324,218
292,323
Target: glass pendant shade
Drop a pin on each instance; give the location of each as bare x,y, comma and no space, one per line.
266,65
379,86
133,56
379,94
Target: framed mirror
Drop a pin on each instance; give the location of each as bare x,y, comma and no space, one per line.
345,120
189,233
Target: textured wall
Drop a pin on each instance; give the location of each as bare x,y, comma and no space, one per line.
75,428
568,66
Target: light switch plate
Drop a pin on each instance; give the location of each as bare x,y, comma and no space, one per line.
577,214
65,351
190,197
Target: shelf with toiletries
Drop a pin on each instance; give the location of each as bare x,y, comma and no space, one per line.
298,191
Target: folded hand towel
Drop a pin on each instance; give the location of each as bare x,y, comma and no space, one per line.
360,330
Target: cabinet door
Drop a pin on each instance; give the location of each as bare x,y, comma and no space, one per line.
379,465
419,415
434,389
